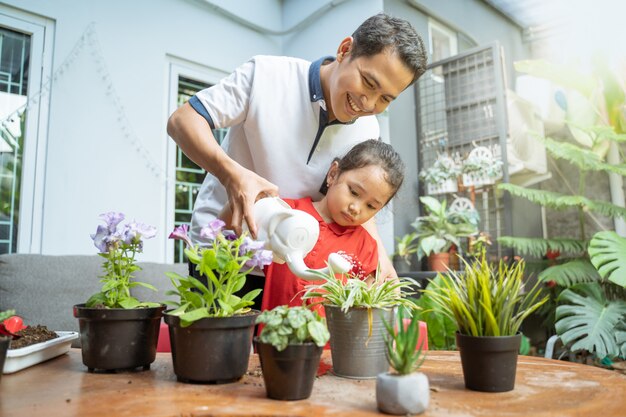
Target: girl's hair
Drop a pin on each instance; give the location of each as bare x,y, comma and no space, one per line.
373,152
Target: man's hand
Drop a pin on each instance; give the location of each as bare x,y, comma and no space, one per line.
244,188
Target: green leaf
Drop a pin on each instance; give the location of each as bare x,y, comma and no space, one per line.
570,273
130,302
608,254
194,315
538,247
587,322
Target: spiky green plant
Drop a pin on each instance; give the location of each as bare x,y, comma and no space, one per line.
485,301
403,354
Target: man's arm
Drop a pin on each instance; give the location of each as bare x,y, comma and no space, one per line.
386,267
193,135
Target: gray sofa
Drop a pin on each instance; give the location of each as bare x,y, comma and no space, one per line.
43,288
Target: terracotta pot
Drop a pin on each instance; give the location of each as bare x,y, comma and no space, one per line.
439,262
118,338
290,373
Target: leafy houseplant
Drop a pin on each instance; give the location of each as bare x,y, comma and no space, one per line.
441,177
210,327
481,168
113,317
5,337
488,305
593,104
439,229
406,246
355,311
405,391
290,346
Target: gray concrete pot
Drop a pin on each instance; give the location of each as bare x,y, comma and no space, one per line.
402,394
355,354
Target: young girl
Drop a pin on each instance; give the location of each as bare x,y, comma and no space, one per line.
357,187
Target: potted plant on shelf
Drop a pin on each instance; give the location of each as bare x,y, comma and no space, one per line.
290,346
117,331
210,327
441,177
406,247
403,391
488,305
439,229
481,168
355,312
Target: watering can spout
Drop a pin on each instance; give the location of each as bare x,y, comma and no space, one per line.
291,234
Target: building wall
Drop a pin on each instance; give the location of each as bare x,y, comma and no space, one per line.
107,147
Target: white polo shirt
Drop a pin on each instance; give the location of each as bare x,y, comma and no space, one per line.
275,109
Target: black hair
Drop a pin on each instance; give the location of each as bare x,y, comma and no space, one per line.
372,152
381,32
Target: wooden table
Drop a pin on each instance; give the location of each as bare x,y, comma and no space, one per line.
544,387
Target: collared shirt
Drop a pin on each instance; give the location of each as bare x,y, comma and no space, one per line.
283,287
279,129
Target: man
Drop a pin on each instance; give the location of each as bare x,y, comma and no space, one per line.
289,118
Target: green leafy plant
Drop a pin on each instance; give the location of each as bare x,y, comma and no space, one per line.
440,228
225,263
284,326
119,246
593,104
485,301
406,246
442,170
403,354
6,314
441,328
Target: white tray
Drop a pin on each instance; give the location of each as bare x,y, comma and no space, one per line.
18,359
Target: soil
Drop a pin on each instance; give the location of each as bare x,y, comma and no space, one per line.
32,335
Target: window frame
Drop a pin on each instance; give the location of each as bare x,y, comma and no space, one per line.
40,75
446,30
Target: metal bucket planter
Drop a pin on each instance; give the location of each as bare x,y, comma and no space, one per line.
117,338
489,363
289,374
215,349
356,353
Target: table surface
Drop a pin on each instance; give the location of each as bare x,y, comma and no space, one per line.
544,387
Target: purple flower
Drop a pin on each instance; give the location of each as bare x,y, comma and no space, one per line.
133,232
181,233
260,259
213,229
249,245
101,239
112,219
229,235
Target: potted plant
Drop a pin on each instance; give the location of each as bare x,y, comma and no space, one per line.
441,177
403,391
488,305
406,247
289,347
6,336
439,229
481,168
117,331
355,311
210,328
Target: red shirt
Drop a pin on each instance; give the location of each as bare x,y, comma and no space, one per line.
283,287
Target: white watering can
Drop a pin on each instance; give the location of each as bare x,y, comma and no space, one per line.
291,234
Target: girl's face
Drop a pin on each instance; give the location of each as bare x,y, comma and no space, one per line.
355,196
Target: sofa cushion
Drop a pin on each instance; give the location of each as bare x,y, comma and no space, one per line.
43,288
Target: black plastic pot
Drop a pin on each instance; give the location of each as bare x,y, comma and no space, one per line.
4,346
489,363
117,338
215,349
289,374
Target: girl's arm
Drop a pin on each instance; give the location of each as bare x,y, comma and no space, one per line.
386,267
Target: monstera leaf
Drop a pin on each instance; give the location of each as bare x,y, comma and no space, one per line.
571,273
588,321
608,254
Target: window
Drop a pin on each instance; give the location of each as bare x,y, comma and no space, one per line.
188,176
14,59
442,41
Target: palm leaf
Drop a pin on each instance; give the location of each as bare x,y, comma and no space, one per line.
558,201
588,321
584,159
570,273
607,251
538,247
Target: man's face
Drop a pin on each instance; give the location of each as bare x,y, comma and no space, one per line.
365,85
